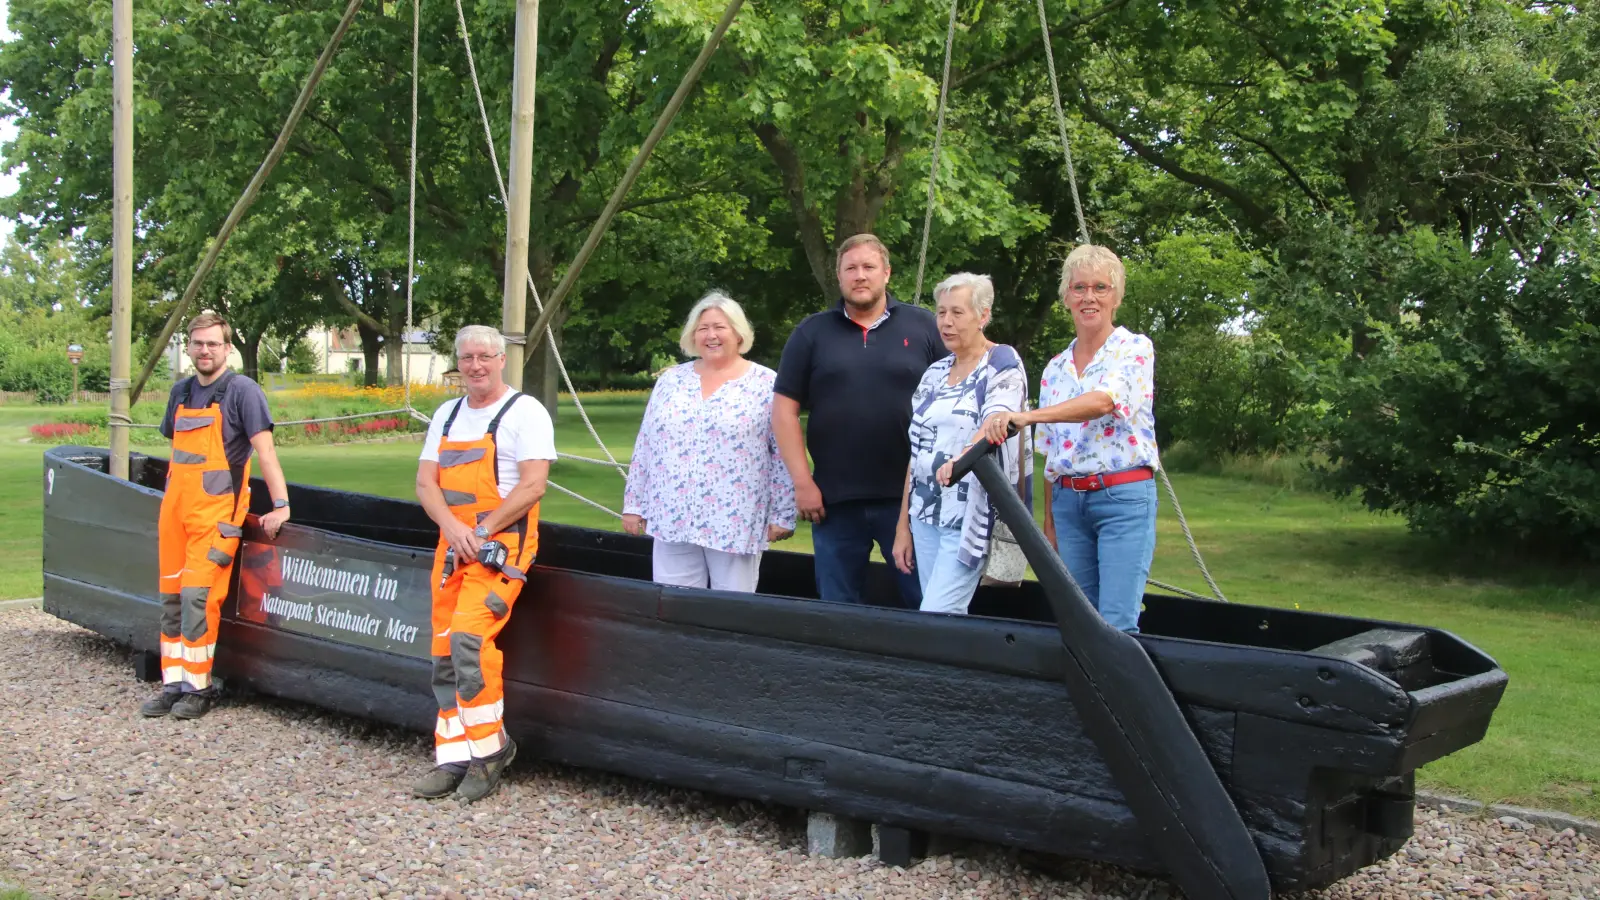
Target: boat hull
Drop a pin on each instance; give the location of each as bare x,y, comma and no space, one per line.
946,724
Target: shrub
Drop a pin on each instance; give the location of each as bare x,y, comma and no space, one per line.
1479,417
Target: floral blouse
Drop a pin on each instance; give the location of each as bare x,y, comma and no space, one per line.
1124,368
944,419
707,471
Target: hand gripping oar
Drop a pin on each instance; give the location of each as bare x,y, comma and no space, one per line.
1128,711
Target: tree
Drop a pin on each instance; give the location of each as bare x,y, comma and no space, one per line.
842,98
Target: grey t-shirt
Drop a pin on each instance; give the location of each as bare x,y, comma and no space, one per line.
244,411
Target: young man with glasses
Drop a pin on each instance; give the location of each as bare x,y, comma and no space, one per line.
215,419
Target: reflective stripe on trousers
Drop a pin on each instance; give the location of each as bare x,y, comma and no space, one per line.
473,604
199,528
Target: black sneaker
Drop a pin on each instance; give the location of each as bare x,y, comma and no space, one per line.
159,705
483,776
441,782
192,705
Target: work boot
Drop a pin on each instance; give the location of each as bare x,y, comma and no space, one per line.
483,776
192,705
440,782
159,705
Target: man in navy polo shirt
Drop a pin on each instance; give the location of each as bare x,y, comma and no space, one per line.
854,368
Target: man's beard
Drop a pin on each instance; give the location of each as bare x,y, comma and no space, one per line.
868,303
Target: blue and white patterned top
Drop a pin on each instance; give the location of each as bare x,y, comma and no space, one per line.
944,420
1125,368
707,471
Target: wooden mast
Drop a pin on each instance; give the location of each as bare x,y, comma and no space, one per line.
520,191
121,230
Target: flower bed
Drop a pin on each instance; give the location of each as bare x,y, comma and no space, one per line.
60,432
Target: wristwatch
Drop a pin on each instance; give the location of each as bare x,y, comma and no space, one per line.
280,504
481,533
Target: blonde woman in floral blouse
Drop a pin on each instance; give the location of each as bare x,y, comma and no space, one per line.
1098,435
706,480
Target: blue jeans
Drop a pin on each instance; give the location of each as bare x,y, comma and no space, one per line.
842,544
1107,539
947,585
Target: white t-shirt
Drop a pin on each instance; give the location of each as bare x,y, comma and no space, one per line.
525,433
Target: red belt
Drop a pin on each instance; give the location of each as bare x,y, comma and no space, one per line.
1111,479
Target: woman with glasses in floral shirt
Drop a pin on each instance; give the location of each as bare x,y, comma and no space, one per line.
706,479
1097,431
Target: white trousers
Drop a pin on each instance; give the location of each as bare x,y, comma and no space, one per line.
691,565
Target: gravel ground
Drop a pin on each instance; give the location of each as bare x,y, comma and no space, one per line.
269,799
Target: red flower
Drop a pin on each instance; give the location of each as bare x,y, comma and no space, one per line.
53,430
1109,430
1132,439
1066,445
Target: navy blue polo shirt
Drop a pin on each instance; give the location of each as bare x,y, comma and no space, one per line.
857,384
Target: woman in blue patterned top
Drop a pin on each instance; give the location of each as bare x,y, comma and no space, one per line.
945,529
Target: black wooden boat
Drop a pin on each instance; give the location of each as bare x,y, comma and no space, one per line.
1314,724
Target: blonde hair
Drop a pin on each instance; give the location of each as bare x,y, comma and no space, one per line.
980,290
730,308
1096,257
206,319
480,334
861,240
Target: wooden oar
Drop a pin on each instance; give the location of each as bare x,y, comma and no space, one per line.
1129,712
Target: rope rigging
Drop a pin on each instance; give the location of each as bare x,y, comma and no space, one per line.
533,290
1083,235
546,313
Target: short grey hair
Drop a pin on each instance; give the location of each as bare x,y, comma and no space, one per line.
480,334
1093,256
980,290
730,308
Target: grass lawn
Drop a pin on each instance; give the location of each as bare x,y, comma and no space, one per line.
1266,545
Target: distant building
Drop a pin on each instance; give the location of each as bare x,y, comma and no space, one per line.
338,352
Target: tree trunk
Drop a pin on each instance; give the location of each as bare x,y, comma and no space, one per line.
808,223
370,348
249,353
541,377
394,342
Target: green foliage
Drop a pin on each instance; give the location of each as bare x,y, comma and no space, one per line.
1476,416
40,315
302,357
1296,187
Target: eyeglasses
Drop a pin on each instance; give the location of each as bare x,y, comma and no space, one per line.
477,358
1099,288
207,345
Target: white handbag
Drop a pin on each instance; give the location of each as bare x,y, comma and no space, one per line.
1005,563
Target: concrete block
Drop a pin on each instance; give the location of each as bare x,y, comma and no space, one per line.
837,837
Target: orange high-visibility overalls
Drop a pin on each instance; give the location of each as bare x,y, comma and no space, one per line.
201,514
472,603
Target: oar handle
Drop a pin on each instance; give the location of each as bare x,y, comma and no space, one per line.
977,451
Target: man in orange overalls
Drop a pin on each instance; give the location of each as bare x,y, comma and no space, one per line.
483,469
215,418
